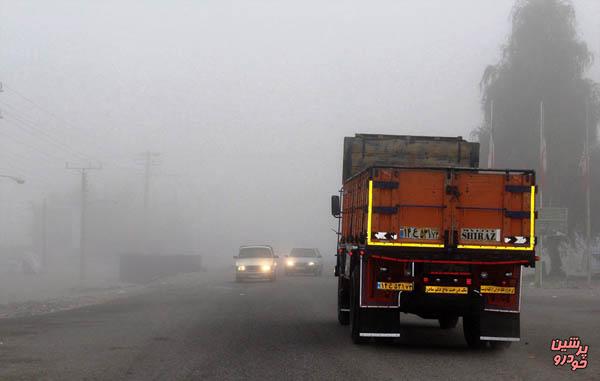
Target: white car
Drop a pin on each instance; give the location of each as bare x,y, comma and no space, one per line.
304,261
255,262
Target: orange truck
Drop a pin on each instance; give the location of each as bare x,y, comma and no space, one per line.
423,230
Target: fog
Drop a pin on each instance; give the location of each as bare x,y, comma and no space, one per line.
246,102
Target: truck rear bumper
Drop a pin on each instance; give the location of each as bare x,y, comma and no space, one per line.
435,305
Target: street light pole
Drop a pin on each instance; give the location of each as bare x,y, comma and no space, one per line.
44,235
16,179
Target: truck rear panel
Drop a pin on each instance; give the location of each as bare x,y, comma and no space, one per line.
437,208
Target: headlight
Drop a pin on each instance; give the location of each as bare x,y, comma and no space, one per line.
290,263
311,263
265,268
241,268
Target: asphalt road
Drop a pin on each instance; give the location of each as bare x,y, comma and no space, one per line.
206,327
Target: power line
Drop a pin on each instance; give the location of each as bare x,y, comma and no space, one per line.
37,147
48,155
63,121
19,155
60,119
34,129
28,172
35,126
32,122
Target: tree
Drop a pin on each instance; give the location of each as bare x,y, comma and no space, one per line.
543,60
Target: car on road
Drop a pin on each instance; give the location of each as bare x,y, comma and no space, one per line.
255,262
304,261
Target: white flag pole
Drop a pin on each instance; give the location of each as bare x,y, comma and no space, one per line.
538,268
542,153
588,227
491,147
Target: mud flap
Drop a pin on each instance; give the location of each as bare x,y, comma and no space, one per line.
500,326
380,322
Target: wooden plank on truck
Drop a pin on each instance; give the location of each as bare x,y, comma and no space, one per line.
365,150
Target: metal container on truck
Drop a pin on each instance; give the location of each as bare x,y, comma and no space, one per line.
436,240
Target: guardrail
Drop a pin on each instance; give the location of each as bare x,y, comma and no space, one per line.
141,268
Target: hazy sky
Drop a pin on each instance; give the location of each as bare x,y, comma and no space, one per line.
248,101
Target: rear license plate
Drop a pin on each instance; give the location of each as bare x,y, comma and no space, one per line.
446,290
497,290
398,286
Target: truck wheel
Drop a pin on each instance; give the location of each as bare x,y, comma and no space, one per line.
355,310
343,316
448,322
472,331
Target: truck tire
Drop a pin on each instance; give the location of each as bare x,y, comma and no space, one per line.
343,316
448,322
472,331
355,310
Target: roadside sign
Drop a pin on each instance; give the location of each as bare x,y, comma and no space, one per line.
552,221
595,260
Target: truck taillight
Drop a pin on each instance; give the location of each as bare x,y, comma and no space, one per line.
425,280
468,281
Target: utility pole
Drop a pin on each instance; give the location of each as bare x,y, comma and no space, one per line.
82,232
149,160
44,235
